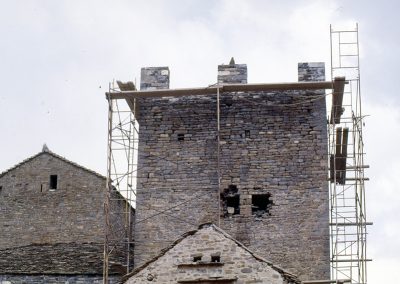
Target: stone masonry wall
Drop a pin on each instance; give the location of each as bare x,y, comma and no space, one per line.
55,279
47,233
235,264
272,143
31,213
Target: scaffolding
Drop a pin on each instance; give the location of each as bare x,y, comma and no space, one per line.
348,221
121,183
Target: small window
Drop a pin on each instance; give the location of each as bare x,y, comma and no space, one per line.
261,204
1,188
247,133
215,258
181,137
197,258
53,181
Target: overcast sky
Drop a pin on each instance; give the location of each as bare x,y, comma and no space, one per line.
57,58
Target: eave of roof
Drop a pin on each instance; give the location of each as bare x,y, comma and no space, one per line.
213,89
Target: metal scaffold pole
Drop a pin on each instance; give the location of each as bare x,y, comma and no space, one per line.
121,185
348,221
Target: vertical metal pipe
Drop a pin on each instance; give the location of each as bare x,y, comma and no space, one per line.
107,194
218,159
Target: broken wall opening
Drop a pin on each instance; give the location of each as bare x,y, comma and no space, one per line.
261,204
230,199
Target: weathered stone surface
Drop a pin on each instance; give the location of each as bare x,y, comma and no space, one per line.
152,78
47,232
189,260
232,73
311,71
270,143
32,213
54,279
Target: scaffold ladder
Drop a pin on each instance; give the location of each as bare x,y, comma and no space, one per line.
348,223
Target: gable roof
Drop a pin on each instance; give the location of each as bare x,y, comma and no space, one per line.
48,152
286,275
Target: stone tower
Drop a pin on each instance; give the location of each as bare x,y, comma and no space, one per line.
265,183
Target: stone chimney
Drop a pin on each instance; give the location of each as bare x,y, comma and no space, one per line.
311,71
232,73
152,78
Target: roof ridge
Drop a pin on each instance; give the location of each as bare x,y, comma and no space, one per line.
47,151
285,274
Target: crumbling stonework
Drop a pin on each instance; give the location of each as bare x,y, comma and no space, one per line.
206,256
271,144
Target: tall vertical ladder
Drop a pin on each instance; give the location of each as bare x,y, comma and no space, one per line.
348,222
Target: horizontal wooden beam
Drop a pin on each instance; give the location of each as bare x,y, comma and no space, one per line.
222,88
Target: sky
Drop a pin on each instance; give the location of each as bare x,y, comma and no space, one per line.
58,57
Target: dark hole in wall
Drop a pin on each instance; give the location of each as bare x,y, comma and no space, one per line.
1,188
181,137
197,258
53,181
215,258
247,133
228,102
230,198
261,204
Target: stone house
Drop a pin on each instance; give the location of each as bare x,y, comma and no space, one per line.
208,255
51,222
257,167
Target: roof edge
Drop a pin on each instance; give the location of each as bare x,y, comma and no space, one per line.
285,274
55,156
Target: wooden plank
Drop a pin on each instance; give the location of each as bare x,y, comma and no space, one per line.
337,99
222,88
343,156
128,86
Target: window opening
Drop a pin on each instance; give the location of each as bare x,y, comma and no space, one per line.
197,258
215,258
181,137
261,204
230,198
53,181
247,133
